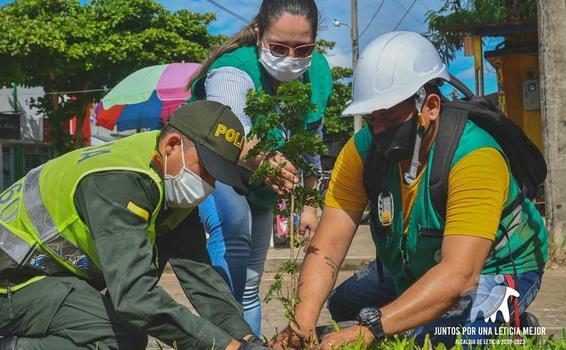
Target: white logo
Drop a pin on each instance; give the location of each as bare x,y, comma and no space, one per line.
492,302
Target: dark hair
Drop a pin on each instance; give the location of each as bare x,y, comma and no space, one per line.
270,11
168,129
433,87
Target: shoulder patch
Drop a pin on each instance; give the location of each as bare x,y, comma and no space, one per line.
139,211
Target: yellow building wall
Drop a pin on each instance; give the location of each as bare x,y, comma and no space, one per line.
532,122
512,70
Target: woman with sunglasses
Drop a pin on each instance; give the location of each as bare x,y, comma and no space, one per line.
278,46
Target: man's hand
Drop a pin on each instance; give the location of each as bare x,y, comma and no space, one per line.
347,335
287,339
309,221
292,339
233,345
287,177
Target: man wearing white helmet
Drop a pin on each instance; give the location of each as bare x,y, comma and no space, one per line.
434,273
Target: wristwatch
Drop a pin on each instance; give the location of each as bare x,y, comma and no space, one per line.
370,317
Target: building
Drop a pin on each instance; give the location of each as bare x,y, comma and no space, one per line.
516,64
21,134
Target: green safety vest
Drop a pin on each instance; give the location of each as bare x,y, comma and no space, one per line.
41,232
245,59
521,240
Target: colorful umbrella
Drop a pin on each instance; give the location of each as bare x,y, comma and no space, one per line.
146,98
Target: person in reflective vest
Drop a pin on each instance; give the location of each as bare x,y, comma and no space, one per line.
111,216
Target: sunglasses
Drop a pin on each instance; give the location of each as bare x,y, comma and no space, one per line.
301,51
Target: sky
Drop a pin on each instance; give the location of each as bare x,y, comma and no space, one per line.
392,14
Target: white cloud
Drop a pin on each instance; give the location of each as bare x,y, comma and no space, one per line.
337,58
225,23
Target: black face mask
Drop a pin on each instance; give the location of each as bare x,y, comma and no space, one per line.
397,143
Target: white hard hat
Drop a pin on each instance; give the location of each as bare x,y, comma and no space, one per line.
392,68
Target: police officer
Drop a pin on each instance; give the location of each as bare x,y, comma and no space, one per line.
108,217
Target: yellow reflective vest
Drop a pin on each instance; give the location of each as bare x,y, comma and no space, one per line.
41,232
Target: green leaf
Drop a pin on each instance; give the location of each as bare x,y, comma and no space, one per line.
452,22
64,45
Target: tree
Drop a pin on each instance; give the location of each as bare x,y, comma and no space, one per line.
65,46
278,124
335,126
449,25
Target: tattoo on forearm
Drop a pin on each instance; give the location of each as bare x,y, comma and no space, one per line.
311,249
332,265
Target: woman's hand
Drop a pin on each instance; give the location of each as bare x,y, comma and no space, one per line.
309,221
287,177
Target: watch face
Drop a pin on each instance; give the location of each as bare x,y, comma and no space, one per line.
369,314
371,318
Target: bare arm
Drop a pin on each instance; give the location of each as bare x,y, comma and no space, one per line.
482,174
325,254
463,258
309,216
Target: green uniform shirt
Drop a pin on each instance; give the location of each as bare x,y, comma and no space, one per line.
131,266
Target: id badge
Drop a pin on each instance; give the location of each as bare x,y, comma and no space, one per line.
385,209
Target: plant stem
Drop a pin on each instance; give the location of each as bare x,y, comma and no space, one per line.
292,239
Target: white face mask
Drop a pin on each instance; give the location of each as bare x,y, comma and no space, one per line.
283,68
186,189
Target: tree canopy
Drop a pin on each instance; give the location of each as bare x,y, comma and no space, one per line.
337,127
449,25
64,45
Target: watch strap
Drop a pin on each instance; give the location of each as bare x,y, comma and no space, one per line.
372,323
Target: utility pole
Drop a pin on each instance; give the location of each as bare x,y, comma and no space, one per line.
355,53
552,60
355,44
